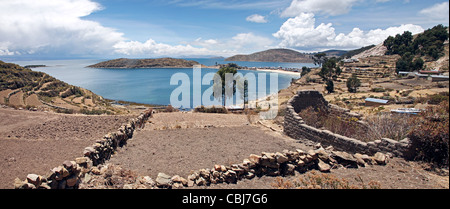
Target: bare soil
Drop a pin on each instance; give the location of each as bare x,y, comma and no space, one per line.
175,144
35,142
179,151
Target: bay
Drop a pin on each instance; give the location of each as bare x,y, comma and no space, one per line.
147,86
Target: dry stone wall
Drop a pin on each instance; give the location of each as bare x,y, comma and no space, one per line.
296,128
69,174
283,163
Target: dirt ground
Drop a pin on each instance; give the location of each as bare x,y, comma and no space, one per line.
35,142
175,144
179,151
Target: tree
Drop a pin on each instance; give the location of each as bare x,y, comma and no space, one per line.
353,83
330,86
226,84
320,58
305,70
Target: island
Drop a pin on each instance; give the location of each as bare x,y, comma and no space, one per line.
146,63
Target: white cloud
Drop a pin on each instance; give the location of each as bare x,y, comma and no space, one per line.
152,48
256,18
326,7
439,12
240,43
29,26
301,33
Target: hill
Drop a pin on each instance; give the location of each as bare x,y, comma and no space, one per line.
335,53
146,63
26,89
274,55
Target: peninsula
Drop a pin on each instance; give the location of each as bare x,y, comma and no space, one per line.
274,55
146,63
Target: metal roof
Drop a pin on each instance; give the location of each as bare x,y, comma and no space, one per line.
382,101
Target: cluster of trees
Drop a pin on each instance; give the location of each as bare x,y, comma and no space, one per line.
430,43
330,72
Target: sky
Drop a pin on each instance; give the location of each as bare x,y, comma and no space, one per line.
188,28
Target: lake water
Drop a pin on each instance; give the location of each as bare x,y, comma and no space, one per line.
148,86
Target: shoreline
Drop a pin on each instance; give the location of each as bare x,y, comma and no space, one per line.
279,71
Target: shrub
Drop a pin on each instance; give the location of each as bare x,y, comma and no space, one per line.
315,180
213,109
430,139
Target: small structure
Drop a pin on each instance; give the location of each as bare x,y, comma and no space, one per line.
437,78
372,102
430,72
410,111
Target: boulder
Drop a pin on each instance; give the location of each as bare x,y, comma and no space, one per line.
34,179
281,158
345,159
380,158
323,167
323,155
163,180
72,181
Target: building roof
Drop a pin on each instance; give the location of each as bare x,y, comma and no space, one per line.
381,101
412,111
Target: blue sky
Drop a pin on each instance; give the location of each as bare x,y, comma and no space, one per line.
188,28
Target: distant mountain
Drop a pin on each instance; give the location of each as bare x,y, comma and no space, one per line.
146,63
335,53
274,55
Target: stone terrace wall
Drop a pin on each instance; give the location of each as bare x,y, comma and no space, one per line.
69,174
296,128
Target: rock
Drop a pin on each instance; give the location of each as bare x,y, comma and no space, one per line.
281,158
269,160
200,181
81,160
345,159
217,167
68,164
318,146
179,179
193,177
96,171
65,173
72,181
249,175
204,173
289,169
323,155
380,158
146,180
34,179
323,167
163,180
19,184
190,183
127,186
311,156
255,159
360,159
88,151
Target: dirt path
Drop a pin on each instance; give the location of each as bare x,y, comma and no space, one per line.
35,142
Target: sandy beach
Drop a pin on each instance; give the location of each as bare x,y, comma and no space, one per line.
279,71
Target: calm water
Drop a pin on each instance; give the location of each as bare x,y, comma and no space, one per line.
148,86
